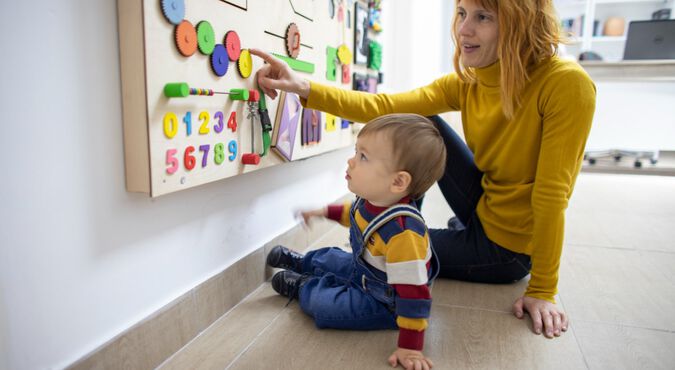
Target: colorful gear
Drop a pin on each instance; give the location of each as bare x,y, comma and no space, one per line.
245,63
344,54
206,37
219,60
233,45
293,40
186,38
173,10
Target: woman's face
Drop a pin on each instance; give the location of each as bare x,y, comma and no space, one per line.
478,34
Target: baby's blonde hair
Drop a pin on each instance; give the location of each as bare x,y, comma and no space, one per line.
418,148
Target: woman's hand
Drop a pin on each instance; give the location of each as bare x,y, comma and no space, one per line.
410,359
546,316
276,74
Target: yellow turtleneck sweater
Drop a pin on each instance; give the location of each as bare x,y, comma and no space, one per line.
530,162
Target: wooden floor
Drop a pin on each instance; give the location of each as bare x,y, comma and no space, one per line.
617,283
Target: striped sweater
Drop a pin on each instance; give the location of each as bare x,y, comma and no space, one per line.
401,250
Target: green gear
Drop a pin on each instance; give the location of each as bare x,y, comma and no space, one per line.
206,38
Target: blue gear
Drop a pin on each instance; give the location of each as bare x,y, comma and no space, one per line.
219,60
174,10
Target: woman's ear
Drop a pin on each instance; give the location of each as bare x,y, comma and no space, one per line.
401,182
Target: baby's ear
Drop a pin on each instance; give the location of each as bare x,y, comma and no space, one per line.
401,182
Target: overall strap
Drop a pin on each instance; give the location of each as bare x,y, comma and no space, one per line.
389,214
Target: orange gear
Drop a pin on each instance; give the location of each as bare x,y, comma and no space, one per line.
293,40
186,38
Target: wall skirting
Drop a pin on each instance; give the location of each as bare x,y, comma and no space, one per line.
150,342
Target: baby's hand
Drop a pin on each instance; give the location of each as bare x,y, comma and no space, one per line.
410,359
307,215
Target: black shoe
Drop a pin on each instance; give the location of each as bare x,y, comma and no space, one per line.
285,258
288,283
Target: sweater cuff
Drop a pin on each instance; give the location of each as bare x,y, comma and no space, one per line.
314,90
411,339
335,212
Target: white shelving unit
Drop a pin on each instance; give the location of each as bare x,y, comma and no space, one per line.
610,48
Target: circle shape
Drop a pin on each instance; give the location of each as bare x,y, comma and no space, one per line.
232,45
173,10
186,38
219,60
293,40
245,63
205,37
344,54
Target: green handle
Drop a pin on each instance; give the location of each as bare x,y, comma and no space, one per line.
176,90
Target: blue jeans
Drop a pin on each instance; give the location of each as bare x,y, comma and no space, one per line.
464,250
337,295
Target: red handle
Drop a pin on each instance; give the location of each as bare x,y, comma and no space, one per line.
250,158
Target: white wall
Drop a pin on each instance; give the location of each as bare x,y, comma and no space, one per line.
418,43
80,258
634,115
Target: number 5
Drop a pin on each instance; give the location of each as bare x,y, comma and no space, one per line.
171,161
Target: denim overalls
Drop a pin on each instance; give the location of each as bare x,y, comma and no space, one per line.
343,291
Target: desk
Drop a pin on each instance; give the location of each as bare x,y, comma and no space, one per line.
635,106
631,70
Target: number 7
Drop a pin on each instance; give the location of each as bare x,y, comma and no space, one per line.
205,149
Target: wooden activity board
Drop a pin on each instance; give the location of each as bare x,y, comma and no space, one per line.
192,108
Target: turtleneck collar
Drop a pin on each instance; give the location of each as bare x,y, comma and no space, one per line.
489,76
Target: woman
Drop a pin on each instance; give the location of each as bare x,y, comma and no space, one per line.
526,115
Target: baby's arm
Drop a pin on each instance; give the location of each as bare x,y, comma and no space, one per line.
308,215
336,212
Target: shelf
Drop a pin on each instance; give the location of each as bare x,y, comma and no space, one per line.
602,2
608,39
570,4
631,70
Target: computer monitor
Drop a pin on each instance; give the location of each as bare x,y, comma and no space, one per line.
653,39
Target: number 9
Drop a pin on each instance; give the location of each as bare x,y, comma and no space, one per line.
232,147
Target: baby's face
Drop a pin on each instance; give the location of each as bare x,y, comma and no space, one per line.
371,171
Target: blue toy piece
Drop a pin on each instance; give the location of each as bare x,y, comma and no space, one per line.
219,60
174,10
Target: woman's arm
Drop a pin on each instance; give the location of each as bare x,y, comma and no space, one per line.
440,96
567,114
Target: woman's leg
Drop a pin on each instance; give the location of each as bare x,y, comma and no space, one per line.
464,251
461,181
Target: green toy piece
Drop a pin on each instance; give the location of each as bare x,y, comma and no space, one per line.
375,56
239,94
206,38
265,122
331,61
176,90
297,65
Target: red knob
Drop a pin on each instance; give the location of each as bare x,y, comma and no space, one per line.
253,95
250,158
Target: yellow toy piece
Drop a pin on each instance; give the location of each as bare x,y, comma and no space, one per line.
245,63
344,54
331,122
